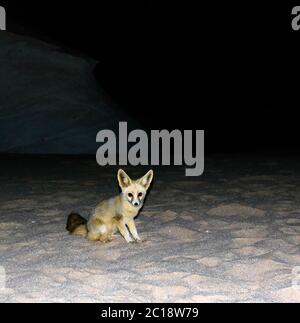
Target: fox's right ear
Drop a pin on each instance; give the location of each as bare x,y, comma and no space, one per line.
124,179
147,179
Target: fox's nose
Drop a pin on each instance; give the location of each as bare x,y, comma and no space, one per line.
136,204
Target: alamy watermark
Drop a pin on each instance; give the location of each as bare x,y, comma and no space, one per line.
2,18
2,277
296,19
188,148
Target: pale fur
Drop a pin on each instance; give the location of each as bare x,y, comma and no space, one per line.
117,214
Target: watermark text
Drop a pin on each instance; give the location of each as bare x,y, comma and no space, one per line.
166,148
296,19
2,18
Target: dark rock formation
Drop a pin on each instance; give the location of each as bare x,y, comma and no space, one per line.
50,102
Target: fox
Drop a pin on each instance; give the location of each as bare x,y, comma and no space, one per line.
116,214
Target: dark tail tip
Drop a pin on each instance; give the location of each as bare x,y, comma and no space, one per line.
74,221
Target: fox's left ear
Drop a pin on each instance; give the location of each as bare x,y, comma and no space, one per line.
146,180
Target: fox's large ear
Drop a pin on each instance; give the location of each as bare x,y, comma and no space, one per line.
124,179
146,180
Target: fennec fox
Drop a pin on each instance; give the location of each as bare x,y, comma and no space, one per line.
115,214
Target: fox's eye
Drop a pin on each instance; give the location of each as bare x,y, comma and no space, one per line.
130,195
140,194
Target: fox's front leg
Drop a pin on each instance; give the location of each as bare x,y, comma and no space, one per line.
133,231
124,231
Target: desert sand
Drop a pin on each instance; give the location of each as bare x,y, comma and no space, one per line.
231,235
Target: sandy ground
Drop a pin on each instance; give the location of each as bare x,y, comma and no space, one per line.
232,234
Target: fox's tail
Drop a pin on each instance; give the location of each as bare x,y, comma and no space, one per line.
76,225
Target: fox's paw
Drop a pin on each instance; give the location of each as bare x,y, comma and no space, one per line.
136,238
136,241
139,240
130,240
106,239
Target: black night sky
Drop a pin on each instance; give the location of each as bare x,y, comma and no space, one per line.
228,69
